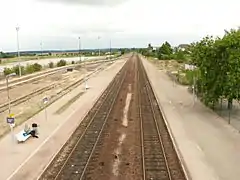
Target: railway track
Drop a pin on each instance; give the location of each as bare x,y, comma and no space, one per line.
40,75
15,102
159,159
71,162
80,156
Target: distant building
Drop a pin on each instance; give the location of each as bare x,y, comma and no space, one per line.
154,48
189,67
183,47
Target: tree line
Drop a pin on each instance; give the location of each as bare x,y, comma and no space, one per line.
166,52
217,61
218,67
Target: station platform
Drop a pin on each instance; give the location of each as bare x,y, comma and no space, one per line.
208,146
27,160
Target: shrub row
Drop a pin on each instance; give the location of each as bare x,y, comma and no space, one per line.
31,68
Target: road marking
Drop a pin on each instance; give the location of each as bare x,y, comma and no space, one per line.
39,147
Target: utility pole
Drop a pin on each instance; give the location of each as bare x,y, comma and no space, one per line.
79,44
20,71
99,47
41,48
110,49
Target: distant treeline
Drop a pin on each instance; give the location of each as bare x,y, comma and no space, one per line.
27,53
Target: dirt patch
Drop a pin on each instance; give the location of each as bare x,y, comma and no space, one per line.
118,159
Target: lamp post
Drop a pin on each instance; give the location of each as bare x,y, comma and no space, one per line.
9,104
99,47
110,49
8,95
79,44
19,66
41,48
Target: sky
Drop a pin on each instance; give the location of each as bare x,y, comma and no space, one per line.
127,23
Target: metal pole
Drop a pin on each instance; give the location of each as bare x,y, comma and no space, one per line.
20,71
99,48
85,76
110,48
41,49
79,44
11,127
85,80
9,104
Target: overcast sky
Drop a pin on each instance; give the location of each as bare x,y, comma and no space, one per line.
129,23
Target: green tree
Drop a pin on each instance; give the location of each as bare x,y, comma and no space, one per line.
7,71
61,63
165,51
51,65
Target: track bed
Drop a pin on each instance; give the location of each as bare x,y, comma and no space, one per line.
123,137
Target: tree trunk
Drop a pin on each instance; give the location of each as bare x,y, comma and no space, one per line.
230,103
229,109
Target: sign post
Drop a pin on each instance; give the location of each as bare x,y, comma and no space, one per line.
11,122
45,101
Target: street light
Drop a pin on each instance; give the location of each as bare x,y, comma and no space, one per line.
19,66
99,47
85,75
41,48
110,48
9,104
79,44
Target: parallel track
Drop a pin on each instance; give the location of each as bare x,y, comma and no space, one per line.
4,106
83,141
159,159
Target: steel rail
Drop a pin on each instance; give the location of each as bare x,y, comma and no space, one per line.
155,122
95,114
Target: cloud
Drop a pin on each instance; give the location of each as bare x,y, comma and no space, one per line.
89,2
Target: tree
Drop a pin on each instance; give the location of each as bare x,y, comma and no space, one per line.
61,63
165,51
218,61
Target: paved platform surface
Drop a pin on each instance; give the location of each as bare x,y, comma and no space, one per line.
26,161
210,148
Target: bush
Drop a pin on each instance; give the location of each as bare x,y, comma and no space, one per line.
61,63
51,65
7,71
29,69
24,70
73,62
15,69
33,68
37,67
